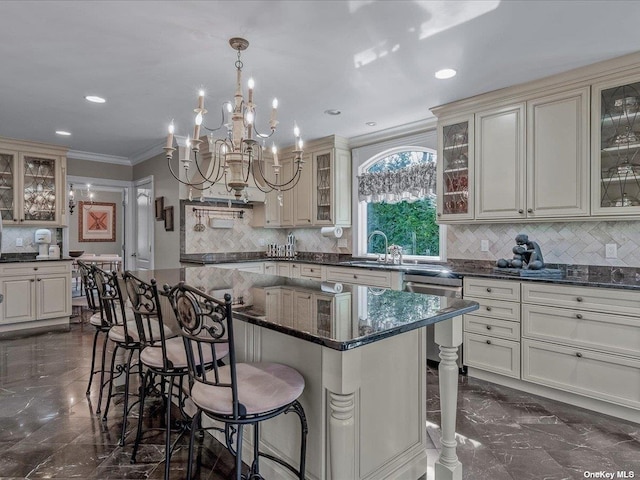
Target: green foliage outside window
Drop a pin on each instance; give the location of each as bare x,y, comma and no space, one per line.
412,225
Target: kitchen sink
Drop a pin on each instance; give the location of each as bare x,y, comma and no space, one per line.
404,267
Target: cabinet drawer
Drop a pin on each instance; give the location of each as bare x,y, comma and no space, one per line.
492,354
363,276
492,327
494,289
582,328
597,375
496,308
607,300
35,268
310,271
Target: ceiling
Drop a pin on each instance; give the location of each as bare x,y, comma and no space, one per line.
372,60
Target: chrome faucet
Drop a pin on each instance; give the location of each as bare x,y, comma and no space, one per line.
386,243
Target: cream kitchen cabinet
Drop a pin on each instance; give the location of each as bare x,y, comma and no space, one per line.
322,195
616,146
582,340
491,336
455,167
364,276
532,158
35,294
32,183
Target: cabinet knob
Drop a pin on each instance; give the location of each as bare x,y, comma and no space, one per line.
579,316
488,342
35,268
15,219
488,309
579,299
294,266
578,354
22,219
488,327
489,289
521,211
529,210
32,280
39,279
439,214
308,220
355,276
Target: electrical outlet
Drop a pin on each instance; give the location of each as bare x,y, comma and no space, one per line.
18,242
484,245
611,250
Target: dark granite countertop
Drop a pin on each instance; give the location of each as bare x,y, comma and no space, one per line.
380,313
578,275
28,257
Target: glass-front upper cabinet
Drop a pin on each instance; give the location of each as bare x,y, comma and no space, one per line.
324,186
616,148
455,169
7,185
32,183
40,189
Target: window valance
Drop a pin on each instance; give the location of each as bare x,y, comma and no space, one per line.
406,184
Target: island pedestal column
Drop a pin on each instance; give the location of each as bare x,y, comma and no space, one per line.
448,335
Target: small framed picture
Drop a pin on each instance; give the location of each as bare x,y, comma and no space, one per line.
160,208
168,219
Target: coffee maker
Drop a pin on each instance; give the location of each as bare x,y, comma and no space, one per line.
43,239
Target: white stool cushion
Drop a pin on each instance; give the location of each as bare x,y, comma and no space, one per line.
152,356
116,333
96,320
262,387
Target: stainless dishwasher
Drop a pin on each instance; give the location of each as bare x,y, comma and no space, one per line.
434,280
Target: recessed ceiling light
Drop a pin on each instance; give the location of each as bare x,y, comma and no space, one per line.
371,124
63,133
332,111
446,73
95,99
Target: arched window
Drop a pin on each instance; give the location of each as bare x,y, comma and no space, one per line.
396,189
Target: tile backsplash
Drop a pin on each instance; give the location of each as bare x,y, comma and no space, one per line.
242,237
580,243
27,234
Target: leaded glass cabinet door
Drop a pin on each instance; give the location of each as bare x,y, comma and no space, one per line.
40,194
323,177
7,186
616,148
455,169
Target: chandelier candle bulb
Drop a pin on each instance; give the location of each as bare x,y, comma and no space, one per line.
251,84
274,150
274,108
201,100
170,136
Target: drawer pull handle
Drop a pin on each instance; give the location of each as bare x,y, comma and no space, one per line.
579,355
488,309
488,327
489,289
579,299
488,342
579,316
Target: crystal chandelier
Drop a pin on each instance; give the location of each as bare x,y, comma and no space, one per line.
238,155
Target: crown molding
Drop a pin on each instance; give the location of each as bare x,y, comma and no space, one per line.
145,155
419,126
98,157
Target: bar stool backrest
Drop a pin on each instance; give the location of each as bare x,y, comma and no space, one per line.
88,281
113,303
145,303
204,323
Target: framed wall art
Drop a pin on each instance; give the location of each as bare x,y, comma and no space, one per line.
168,219
159,208
97,222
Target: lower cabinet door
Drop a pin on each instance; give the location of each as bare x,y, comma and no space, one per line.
613,378
54,296
492,354
19,303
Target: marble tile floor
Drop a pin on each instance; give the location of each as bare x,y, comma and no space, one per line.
48,428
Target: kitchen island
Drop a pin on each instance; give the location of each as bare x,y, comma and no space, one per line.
362,352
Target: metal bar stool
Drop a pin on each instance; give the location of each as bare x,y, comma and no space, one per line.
124,335
163,357
236,394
